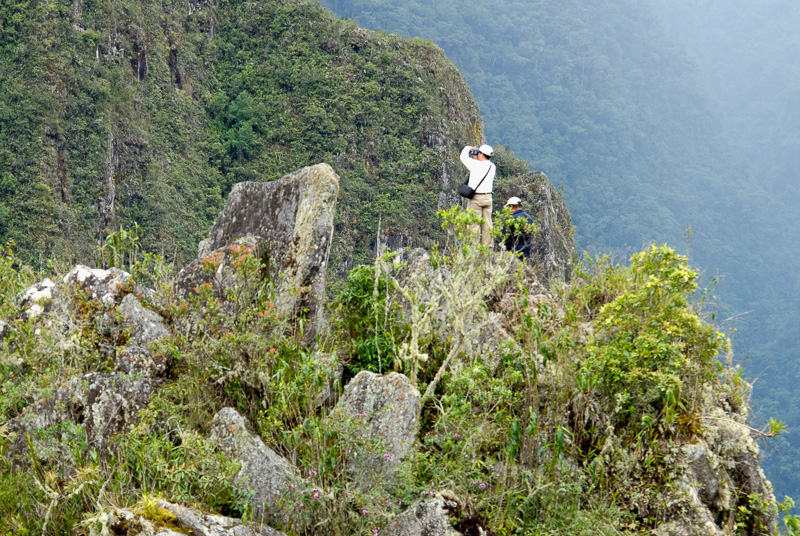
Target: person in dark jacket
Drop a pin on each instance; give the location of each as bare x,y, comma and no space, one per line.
518,232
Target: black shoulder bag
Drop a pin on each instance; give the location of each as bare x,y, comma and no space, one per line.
465,191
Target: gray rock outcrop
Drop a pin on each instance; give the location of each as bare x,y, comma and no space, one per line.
266,474
183,521
428,517
441,515
390,407
106,286
37,298
103,404
385,411
145,326
137,360
718,476
291,223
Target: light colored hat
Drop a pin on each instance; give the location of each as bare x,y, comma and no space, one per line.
486,149
514,201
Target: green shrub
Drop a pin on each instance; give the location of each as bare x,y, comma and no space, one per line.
654,353
366,319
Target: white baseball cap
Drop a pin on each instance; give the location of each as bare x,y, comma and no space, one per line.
486,149
514,201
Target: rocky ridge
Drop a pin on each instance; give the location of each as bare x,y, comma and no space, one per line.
715,469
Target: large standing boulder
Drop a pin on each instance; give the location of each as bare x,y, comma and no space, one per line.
266,474
291,222
390,406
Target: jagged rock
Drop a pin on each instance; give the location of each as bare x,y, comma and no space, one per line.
706,482
716,476
390,405
386,409
264,473
183,520
292,222
106,286
146,326
37,298
441,515
102,403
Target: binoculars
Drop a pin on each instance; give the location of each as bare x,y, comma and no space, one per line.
473,152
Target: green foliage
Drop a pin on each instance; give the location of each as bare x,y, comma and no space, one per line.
120,246
181,466
367,317
791,522
656,348
593,389
14,278
176,464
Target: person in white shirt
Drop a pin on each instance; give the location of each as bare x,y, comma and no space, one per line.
481,179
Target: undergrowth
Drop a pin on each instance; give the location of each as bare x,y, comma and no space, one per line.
567,423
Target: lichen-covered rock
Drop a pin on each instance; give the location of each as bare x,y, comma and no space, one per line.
102,404
293,217
264,473
183,521
386,410
137,360
718,477
145,326
37,298
4,330
441,515
106,286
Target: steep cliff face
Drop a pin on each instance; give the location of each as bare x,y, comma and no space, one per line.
149,113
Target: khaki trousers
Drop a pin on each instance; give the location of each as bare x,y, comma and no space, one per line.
482,204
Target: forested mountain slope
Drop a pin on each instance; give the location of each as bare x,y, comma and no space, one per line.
123,113
748,56
603,98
